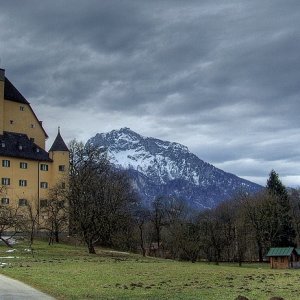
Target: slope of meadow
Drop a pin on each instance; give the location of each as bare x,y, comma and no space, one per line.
68,272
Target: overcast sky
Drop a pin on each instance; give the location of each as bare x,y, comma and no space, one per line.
221,77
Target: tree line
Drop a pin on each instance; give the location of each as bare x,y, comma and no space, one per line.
101,208
106,211
240,229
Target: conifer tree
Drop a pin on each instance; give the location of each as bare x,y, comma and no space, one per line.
286,233
275,186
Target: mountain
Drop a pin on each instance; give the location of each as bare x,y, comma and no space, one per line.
166,168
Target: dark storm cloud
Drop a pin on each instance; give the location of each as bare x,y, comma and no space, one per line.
221,77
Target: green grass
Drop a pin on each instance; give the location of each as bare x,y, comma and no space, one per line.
68,272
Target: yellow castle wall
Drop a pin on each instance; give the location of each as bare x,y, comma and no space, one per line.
18,117
33,176
60,158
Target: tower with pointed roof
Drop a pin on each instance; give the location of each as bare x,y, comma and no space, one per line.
59,153
27,170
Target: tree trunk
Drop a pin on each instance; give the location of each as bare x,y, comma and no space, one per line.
50,238
6,242
260,254
91,248
217,256
142,240
32,234
56,234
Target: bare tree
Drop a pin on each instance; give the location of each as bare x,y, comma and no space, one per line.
241,240
55,212
212,234
31,215
178,229
10,221
158,218
100,198
225,214
141,217
189,238
253,212
262,214
10,224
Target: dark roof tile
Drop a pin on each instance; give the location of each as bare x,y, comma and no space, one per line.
12,94
59,144
20,146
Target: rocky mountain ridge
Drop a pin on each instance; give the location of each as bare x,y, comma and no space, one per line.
166,168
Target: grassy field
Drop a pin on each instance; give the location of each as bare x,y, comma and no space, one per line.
68,272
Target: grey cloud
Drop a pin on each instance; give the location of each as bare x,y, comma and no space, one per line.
226,72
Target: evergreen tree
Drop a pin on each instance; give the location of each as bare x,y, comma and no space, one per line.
286,234
275,186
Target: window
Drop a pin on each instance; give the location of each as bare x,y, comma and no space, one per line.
44,167
44,185
23,165
63,185
61,168
5,181
21,108
282,259
4,201
11,121
43,203
22,182
6,163
32,140
22,202
32,125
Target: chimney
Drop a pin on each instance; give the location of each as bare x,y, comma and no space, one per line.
2,74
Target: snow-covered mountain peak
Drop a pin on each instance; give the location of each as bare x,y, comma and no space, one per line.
162,167
125,139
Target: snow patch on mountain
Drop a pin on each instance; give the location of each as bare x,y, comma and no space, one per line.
166,168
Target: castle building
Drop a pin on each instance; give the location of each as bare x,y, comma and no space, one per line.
27,170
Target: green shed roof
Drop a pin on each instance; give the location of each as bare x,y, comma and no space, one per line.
286,251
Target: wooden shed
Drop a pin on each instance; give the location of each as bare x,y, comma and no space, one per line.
284,257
